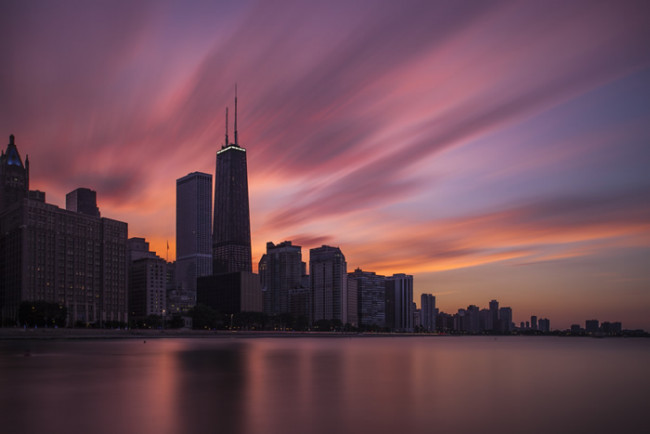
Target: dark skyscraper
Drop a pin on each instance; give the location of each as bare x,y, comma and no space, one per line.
193,232
231,235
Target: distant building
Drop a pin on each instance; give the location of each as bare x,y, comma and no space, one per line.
494,310
399,298
329,284
544,325
611,328
473,319
428,312
147,281
55,255
485,320
592,326
371,297
505,320
533,322
280,271
83,201
417,319
193,231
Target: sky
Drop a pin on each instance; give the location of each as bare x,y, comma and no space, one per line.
494,150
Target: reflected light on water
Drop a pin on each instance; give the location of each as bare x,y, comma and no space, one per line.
326,385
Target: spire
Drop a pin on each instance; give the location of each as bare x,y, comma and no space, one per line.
226,126
11,137
236,139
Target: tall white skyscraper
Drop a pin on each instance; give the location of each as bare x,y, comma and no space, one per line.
193,229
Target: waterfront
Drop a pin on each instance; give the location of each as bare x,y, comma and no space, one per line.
322,385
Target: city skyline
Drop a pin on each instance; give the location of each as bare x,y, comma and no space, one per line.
490,149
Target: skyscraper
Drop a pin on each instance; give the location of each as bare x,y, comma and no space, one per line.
193,240
428,312
328,276
281,270
371,297
399,298
494,311
231,242
232,287
505,320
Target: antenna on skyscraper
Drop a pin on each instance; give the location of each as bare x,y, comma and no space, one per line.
236,140
226,126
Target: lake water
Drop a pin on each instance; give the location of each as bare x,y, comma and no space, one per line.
326,385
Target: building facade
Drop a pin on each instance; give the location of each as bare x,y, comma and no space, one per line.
428,312
371,297
58,256
193,231
399,301
231,242
280,270
328,277
147,281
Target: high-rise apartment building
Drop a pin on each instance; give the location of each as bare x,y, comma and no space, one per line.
231,242
428,312
59,256
329,284
147,280
494,311
281,270
193,231
399,298
371,297
505,320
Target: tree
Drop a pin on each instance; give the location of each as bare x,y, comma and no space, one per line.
204,317
42,314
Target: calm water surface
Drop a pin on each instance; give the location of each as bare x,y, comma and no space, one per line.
326,385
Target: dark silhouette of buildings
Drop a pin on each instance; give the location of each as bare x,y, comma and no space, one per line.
55,255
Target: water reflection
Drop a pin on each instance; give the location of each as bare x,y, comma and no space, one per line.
325,385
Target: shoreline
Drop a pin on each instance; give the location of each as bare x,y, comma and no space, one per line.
14,334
